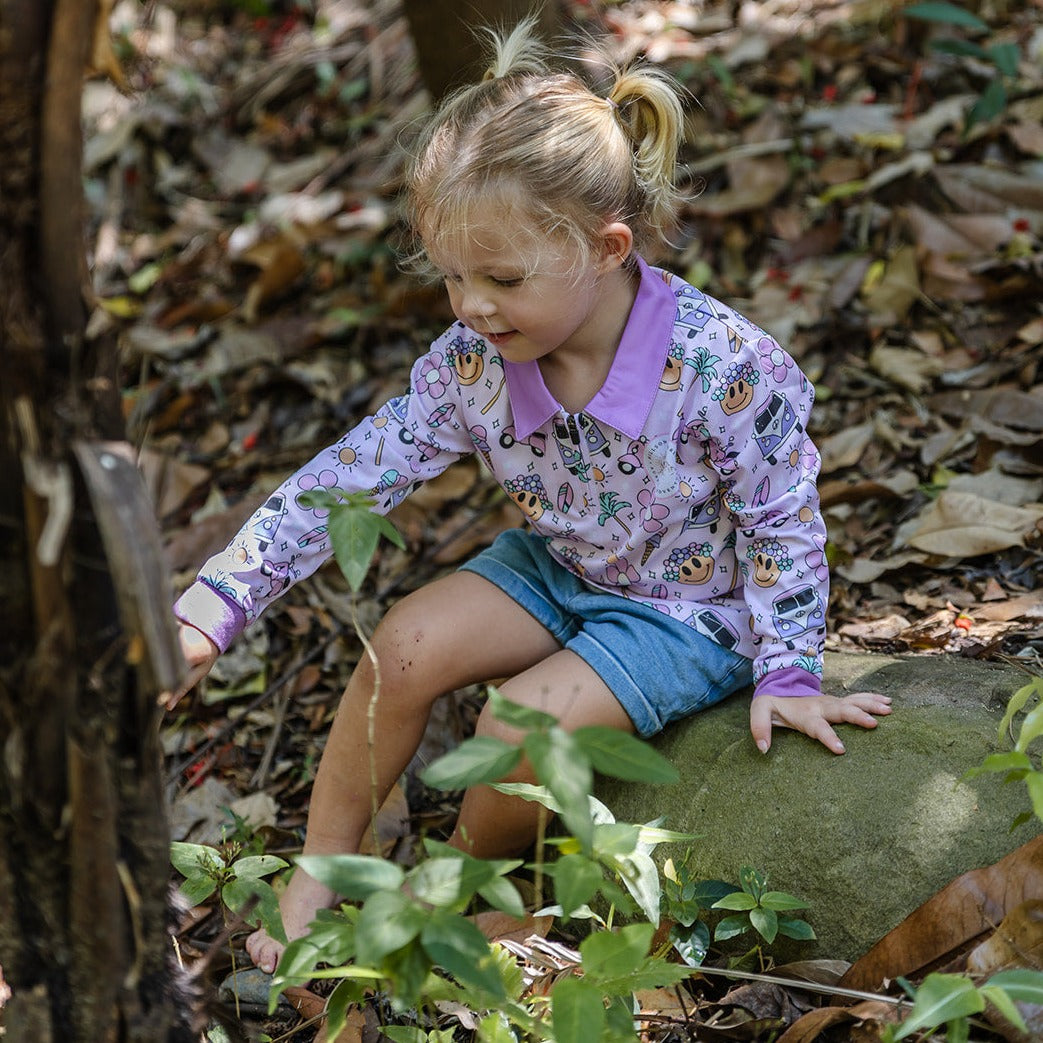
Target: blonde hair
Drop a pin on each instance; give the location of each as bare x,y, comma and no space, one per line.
573,159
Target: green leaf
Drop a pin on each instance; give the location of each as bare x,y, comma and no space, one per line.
736,900
576,881
1032,727
457,945
577,1011
196,889
265,913
388,921
616,838
961,49
1006,57
731,926
1017,702
947,14
449,880
475,761
1003,1002
994,763
752,882
652,974
501,894
941,998
346,994
611,954
781,901
622,756
297,963
1021,984
193,859
800,930
354,534
1034,783
562,768
409,971
353,876
253,867
524,718
765,922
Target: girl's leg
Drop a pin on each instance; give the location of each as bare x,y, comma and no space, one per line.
456,631
492,825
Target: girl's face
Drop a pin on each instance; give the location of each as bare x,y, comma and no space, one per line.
525,295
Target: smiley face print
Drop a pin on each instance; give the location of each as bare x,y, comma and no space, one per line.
671,379
735,391
466,359
692,564
770,560
529,493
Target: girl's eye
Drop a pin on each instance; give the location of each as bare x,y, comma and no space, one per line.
508,282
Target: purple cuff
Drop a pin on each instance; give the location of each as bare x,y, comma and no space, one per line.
789,682
220,618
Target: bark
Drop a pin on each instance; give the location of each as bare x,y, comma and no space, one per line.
449,52
85,640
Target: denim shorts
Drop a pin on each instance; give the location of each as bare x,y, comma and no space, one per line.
658,668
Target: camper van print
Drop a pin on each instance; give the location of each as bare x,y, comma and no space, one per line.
797,614
267,519
712,626
773,425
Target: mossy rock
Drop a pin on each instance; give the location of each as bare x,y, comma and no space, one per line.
864,838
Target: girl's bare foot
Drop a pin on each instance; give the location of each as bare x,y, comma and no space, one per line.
302,898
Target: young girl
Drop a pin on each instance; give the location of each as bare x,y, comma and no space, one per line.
655,440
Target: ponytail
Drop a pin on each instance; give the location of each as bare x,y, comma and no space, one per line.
529,136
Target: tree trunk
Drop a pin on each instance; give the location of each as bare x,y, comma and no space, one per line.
85,636
449,52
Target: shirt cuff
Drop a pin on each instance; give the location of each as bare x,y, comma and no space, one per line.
221,619
789,682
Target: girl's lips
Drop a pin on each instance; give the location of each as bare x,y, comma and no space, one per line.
496,339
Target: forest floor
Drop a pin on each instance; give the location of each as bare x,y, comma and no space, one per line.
242,185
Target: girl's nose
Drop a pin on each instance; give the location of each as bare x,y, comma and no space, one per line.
477,305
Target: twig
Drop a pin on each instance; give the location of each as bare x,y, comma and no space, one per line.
807,986
371,726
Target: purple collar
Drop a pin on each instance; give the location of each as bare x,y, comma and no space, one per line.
626,397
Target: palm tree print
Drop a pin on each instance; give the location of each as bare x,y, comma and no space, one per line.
705,366
611,505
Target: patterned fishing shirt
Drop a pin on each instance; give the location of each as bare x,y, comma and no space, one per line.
687,482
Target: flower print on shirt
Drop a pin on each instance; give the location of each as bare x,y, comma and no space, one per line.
621,573
324,481
775,362
435,375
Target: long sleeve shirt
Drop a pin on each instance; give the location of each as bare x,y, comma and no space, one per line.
687,482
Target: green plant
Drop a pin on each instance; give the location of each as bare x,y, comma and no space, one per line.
757,908
1003,57
951,1000
239,879
409,934
1017,765
685,898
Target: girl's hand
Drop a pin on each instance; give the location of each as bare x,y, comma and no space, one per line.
814,715
200,655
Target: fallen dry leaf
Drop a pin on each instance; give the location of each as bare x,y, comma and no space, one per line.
972,904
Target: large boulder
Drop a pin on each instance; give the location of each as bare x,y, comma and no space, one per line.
864,838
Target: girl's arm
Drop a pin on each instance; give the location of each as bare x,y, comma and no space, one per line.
407,441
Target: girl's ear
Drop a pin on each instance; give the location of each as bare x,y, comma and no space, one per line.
617,241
